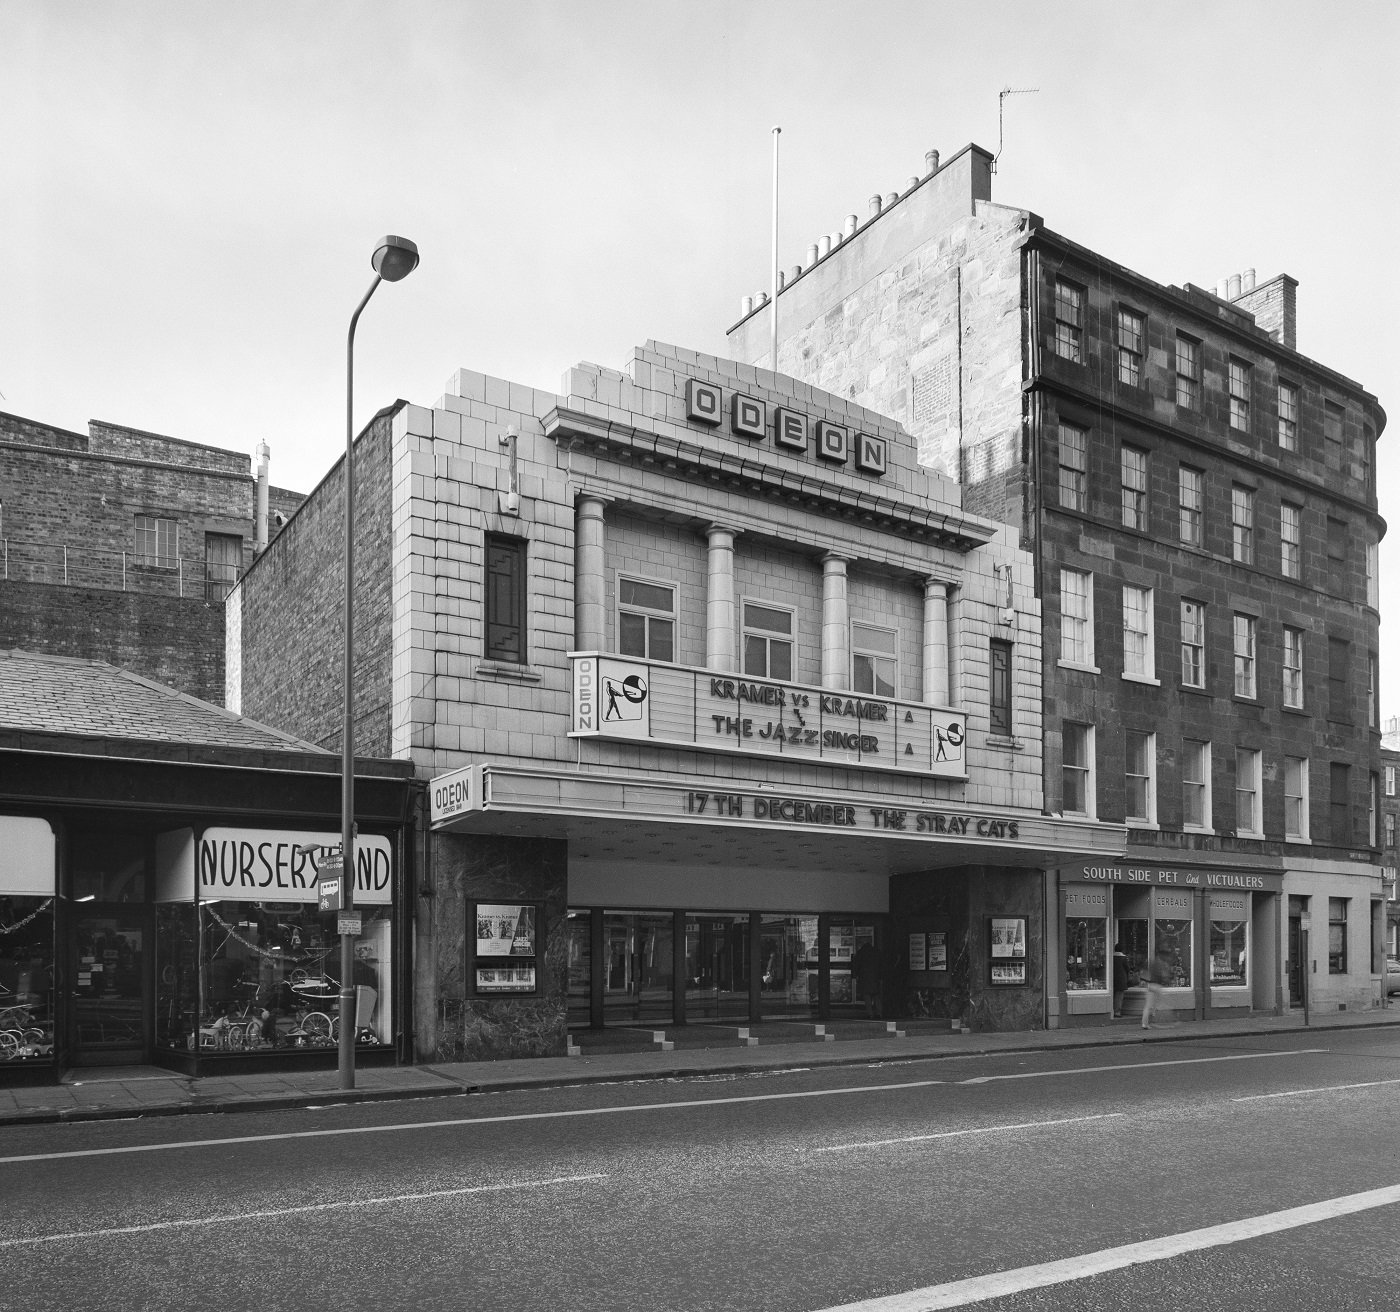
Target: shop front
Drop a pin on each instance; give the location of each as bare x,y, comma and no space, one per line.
28,945
1209,935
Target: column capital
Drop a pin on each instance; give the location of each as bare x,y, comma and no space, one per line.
841,556
583,496
935,582
717,527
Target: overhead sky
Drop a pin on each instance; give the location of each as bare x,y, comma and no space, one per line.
189,194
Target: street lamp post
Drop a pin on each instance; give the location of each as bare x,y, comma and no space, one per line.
394,258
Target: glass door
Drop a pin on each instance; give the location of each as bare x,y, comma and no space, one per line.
109,984
717,968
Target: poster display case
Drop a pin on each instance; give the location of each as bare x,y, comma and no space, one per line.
1007,949
504,941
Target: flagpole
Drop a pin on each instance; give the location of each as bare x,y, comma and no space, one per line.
773,300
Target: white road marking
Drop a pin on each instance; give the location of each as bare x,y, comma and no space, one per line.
186,1223
959,1293
1141,1065
1326,1088
467,1120
955,1134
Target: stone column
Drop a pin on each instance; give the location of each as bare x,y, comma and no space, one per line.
720,614
936,690
590,627
836,626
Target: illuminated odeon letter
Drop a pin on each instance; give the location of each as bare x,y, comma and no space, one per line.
749,417
791,430
870,454
833,441
703,402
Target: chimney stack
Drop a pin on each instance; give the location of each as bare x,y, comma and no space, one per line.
931,162
1247,282
875,204
260,513
849,230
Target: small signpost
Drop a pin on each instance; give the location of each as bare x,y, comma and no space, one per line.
348,922
330,886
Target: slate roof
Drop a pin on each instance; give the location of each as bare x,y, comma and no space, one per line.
61,694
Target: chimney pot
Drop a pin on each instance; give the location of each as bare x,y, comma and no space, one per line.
931,161
910,185
1234,287
891,198
811,256
1248,284
782,280
260,510
835,240
794,273
746,305
852,222
1222,289
824,246
875,204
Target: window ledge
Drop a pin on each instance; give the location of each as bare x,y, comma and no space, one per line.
1253,835
1245,701
1296,710
1074,665
508,670
1197,829
1011,744
1136,822
1142,678
1197,689
1293,841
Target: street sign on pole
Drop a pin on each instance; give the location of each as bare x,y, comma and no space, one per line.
330,886
348,922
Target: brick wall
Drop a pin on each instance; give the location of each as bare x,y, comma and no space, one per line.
176,642
291,606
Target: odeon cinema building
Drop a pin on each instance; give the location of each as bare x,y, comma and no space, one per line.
729,713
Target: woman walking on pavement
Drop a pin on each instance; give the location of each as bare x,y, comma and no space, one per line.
1160,973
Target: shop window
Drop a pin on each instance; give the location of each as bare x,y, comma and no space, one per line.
157,541
1174,942
1195,785
646,624
1245,637
1086,953
1337,935
875,660
1188,372
1076,617
1190,497
1242,524
716,966
1228,957
1295,797
1141,766
1133,467
789,952
1074,468
1193,644
999,654
1248,817
223,555
1339,680
1341,804
1069,321
1139,657
505,599
1239,394
1292,667
1290,534
1130,340
855,967
580,1009
27,977
639,968
270,978
767,641
1288,416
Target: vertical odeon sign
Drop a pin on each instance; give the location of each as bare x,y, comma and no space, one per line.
586,695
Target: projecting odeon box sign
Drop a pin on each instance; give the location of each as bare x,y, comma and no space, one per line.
791,429
676,706
1177,877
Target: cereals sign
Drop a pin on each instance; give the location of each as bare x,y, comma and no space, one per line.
679,706
791,429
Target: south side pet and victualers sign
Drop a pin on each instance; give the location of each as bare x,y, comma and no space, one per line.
1257,881
793,430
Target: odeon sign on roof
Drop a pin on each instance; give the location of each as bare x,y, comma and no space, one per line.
792,430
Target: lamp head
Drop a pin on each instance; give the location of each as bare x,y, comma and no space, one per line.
394,258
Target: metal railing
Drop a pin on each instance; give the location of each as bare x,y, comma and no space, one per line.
114,571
